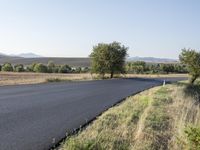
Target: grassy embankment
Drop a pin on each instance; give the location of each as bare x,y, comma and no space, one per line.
160,118
10,78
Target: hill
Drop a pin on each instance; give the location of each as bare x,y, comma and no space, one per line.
27,55
152,59
29,58
75,62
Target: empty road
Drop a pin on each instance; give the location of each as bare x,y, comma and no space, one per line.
35,117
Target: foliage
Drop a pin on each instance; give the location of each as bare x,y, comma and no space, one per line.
108,58
51,67
30,68
143,67
7,67
40,68
193,90
167,68
64,69
192,59
19,68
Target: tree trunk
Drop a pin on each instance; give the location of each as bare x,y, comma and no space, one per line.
111,74
102,76
193,79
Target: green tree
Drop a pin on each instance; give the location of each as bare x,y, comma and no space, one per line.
191,58
167,68
65,69
108,58
19,68
138,67
7,67
41,68
30,68
51,67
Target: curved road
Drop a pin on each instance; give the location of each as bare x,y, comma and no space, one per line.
38,116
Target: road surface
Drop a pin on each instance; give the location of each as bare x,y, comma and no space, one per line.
35,117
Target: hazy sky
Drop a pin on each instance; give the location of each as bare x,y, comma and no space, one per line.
158,28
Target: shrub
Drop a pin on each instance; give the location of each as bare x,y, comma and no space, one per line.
30,68
64,69
19,68
40,68
7,67
51,67
54,80
77,70
85,70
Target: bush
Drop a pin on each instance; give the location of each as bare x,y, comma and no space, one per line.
30,68
64,69
19,68
7,67
54,80
40,68
51,67
85,70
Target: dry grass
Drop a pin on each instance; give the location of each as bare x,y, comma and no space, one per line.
155,119
7,78
11,78
186,112
155,75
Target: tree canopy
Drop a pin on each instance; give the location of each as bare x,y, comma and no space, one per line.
191,58
7,67
109,58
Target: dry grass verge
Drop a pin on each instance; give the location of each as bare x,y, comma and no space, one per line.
156,119
14,78
7,78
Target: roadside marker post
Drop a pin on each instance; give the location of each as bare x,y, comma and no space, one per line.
163,83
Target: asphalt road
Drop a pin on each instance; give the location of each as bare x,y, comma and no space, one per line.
35,117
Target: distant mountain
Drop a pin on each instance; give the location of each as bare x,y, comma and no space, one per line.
23,55
2,54
152,59
28,55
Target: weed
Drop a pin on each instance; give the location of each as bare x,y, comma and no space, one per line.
193,135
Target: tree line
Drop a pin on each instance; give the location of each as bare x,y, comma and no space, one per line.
42,68
110,58
141,67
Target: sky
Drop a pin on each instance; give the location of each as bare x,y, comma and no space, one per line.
70,28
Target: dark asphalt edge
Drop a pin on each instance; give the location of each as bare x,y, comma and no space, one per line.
84,126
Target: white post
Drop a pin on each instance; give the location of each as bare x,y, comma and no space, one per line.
163,83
